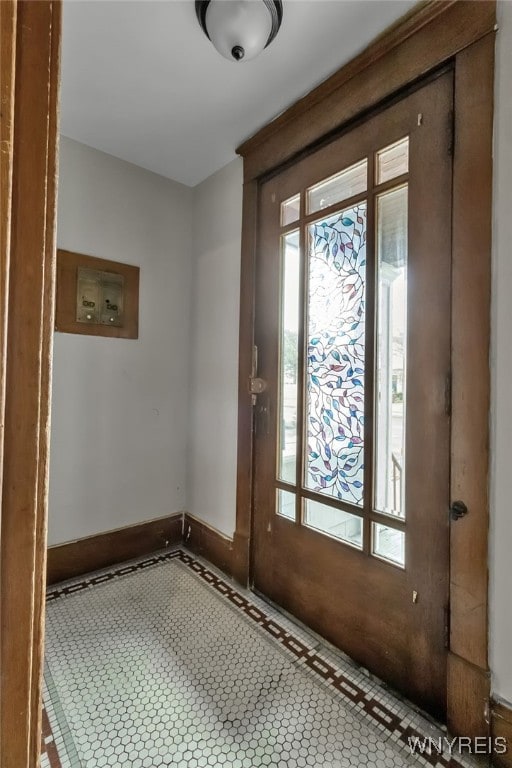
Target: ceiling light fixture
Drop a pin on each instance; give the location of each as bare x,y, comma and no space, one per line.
240,29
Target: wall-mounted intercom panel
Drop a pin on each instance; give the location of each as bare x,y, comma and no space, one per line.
96,297
99,297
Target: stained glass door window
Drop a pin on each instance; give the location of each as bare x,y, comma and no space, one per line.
350,371
336,355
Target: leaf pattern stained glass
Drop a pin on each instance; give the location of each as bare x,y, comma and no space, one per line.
336,355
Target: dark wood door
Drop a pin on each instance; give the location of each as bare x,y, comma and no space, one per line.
351,497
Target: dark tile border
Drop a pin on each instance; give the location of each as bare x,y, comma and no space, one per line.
48,745
353,693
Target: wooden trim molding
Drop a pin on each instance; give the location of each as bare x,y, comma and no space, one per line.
241,558
501,729
471,287
460,33
65,561
203,540
468,698
8,11
7,68
46,373
26,362
76,558
245,409
424,39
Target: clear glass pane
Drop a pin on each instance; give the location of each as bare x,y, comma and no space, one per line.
286,504
352,181
336,355
391,352
389,544
392,161
287,461
290,210
334,522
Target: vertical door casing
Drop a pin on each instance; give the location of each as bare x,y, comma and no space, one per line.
26,369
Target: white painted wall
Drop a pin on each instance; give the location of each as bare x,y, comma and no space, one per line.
214,367
501,364
120,407
113,209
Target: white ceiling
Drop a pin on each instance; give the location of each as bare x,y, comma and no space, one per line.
142,82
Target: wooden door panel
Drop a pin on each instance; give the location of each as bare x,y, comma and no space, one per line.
390,619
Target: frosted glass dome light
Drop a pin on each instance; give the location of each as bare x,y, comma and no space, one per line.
240,29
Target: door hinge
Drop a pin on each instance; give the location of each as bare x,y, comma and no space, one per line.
448,394
254,372
254,361
447,626
451,130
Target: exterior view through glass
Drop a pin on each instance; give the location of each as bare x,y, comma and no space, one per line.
329,378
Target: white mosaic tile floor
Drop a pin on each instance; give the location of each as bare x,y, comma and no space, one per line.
164,662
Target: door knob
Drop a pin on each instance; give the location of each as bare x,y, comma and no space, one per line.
457,510
257,386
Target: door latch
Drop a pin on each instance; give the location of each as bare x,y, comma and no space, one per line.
457,510
256,384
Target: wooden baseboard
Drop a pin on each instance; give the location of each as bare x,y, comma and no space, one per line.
209,543
75,558
65,561
468,698
240,566
501,728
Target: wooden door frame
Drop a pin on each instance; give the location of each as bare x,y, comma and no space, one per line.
30,33
463,33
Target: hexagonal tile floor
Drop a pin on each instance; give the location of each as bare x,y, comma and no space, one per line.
164,662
